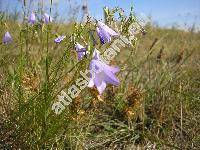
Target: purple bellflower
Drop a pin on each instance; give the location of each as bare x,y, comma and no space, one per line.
105,33
7,38
47,18
59,39
81,51
32,18
102,75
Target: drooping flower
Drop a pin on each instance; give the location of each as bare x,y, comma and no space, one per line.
47,18
102,74
81,51
59,39
105,33
7,38
32,18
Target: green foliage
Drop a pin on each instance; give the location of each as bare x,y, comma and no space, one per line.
159,74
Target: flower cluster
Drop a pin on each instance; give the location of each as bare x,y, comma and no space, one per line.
104,74
32,20
46,18
107,73
100,73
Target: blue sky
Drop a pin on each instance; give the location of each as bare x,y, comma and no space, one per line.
165,13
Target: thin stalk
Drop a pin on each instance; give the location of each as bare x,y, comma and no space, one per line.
20,72
46,75
181,124
46,93
181,103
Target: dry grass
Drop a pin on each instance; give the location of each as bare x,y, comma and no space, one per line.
160,77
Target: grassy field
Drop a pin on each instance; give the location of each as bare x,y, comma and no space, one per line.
156,105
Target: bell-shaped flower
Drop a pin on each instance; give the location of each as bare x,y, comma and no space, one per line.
47,18
81,51
59,39
32,18
102,74
7,38
105,33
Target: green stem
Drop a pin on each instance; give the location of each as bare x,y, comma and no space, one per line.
47,74
20,72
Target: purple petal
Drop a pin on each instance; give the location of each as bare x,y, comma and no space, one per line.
107,29
32,18
91,82
47,18
107,36
96,54
59,39
97,80
96,66
111,78
105,33
78,46
112,69
7,38
81,51
103,74
81,54
101,87
100,34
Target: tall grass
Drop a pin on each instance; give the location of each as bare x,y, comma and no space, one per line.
155,106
